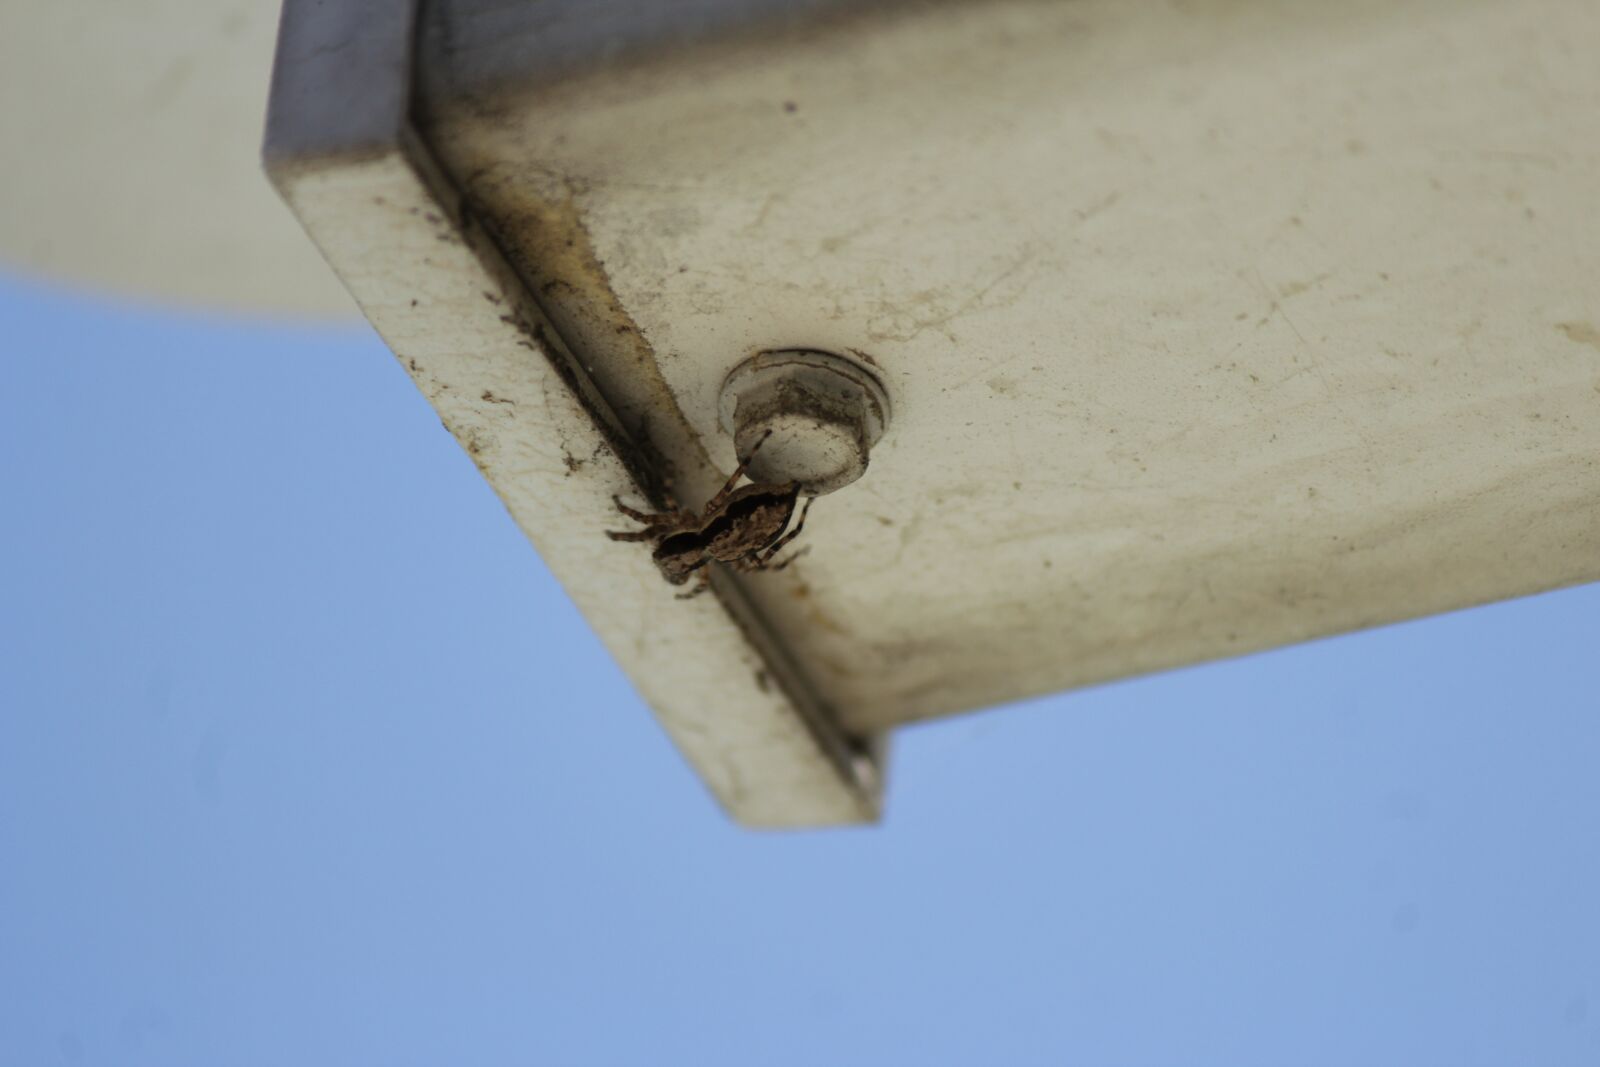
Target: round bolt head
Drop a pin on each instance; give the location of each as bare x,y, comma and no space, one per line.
821,455
815,416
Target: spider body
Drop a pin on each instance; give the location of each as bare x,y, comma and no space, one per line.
743,528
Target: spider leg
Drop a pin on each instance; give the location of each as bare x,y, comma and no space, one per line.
644,516
755,562
700,586
738,472
779,566
648,534
777,546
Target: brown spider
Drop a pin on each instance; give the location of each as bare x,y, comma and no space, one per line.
740,527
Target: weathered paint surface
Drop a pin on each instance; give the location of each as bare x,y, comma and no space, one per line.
1209,326
524,406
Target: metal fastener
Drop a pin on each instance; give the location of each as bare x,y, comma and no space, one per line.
824,413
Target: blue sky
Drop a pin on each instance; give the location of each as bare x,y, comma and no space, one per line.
306,759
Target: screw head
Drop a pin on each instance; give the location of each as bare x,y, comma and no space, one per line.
824,413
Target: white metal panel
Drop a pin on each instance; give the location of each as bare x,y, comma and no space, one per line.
1205,326
1208,326
507,386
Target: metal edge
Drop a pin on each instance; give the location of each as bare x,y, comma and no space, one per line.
437,289
470,46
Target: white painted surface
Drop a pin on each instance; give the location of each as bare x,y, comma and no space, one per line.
445,314
1208,326
510,390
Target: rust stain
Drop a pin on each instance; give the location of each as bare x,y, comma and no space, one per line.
538,225
1583,333
1294,289
824,621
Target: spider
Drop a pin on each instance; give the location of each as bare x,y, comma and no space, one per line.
740,527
